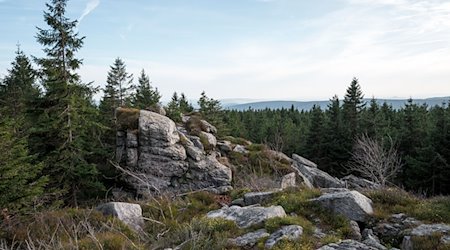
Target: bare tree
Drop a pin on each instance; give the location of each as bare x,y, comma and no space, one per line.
372,160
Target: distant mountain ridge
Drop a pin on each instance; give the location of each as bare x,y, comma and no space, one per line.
307,105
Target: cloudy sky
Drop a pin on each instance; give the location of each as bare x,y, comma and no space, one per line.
257,49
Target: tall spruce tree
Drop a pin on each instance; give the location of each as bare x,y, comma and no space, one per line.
185,106
64,131
17,91
120,82
173,108
145,96
352,108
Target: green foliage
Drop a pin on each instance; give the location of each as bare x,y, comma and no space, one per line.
21,181
145,97
429,242
273,224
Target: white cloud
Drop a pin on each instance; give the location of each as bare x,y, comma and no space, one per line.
90,6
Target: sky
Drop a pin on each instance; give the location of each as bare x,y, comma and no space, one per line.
254,49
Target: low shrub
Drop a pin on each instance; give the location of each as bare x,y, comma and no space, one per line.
127,118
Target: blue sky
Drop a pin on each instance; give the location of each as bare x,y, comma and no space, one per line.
256,49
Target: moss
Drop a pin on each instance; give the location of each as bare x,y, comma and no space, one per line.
127,118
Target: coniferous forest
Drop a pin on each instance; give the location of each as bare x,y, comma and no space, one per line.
58,143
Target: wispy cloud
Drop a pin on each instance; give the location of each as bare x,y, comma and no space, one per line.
90,6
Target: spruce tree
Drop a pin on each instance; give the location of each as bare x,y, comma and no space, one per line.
145,96
352,108
121,82
173,108
17,92
314,141
65,128
21,180
185,106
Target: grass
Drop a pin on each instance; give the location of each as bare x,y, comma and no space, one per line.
391,201
237,140
70,228
429,242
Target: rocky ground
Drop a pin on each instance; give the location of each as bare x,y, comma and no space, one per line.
186,189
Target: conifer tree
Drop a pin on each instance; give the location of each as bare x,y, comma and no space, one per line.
314,140
21,180
120,83
173,108
65,128
17,91
352,108
185,106
145,96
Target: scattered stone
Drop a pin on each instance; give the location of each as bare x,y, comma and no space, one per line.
318,233
350,204
240,149
359,183
347,245
288,181
128,213
291,232
356,231
224,146
258,197
371,239
249,239
247,216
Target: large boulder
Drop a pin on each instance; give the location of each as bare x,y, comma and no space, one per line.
128,213
247,216
314,177
351,204
158,157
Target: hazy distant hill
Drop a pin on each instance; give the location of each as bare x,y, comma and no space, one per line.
396,103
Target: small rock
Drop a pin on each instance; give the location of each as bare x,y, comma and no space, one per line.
258,197
371,239
318,233
356,231
128,213
291,232
347,245
210,138
238,202
288,181
249,239
240,149
207,127
247,216
224,146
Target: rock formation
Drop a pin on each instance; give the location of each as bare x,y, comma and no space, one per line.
157,157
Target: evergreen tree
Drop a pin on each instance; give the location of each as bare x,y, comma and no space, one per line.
21,181
352,108
185,106
145,96
173,108
64,126
119,84
314,140
17,91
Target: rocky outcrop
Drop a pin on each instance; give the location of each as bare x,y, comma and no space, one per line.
350,204
128,213
247,216
314,177
157,157
291,232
